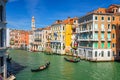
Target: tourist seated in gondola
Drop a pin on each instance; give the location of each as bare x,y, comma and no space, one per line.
42,67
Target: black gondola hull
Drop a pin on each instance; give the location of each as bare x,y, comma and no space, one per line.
37,70
74,61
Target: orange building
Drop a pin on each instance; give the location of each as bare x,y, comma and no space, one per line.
19,39
115,11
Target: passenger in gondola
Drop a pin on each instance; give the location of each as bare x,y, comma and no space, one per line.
42,67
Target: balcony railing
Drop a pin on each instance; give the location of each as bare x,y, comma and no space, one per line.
96,29
108,39
86,30
109,30
102,29
102,39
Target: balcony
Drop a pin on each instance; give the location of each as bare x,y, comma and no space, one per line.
88,39
102,30
108,39
85,22
96,39
102,39
109,30
96,29
87,30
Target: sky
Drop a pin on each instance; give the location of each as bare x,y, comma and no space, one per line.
46,12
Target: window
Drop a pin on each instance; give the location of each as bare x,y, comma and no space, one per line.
102,26
108,26
113,36
116,10
75,21
1,61
108,18
113,45
119,53
113,53
96,36
102,53
102,18
113,26
96,27
108,45
95,53
119,27
113,18
102,45
63,27
108,53
102,35
95,45
108,36
96,18
1,13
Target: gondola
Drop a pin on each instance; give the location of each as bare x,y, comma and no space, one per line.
72,60
41,68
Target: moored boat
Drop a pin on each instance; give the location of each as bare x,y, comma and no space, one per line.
41,68
72,60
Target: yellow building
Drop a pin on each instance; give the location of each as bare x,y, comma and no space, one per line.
61,35
70,31
68,34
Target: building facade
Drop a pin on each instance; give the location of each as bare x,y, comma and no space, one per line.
3,65
37,40
46,38
63,34
70,35
97,34
58,37
19,39
31,39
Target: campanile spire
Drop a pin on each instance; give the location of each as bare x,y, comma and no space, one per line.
33,23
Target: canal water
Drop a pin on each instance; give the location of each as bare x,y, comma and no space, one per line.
61,70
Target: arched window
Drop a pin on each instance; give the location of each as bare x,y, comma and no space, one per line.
1,13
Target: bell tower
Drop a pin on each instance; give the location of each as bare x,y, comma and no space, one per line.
33,23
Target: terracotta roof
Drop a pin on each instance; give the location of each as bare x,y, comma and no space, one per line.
69,20
117,5
47,28
66,21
